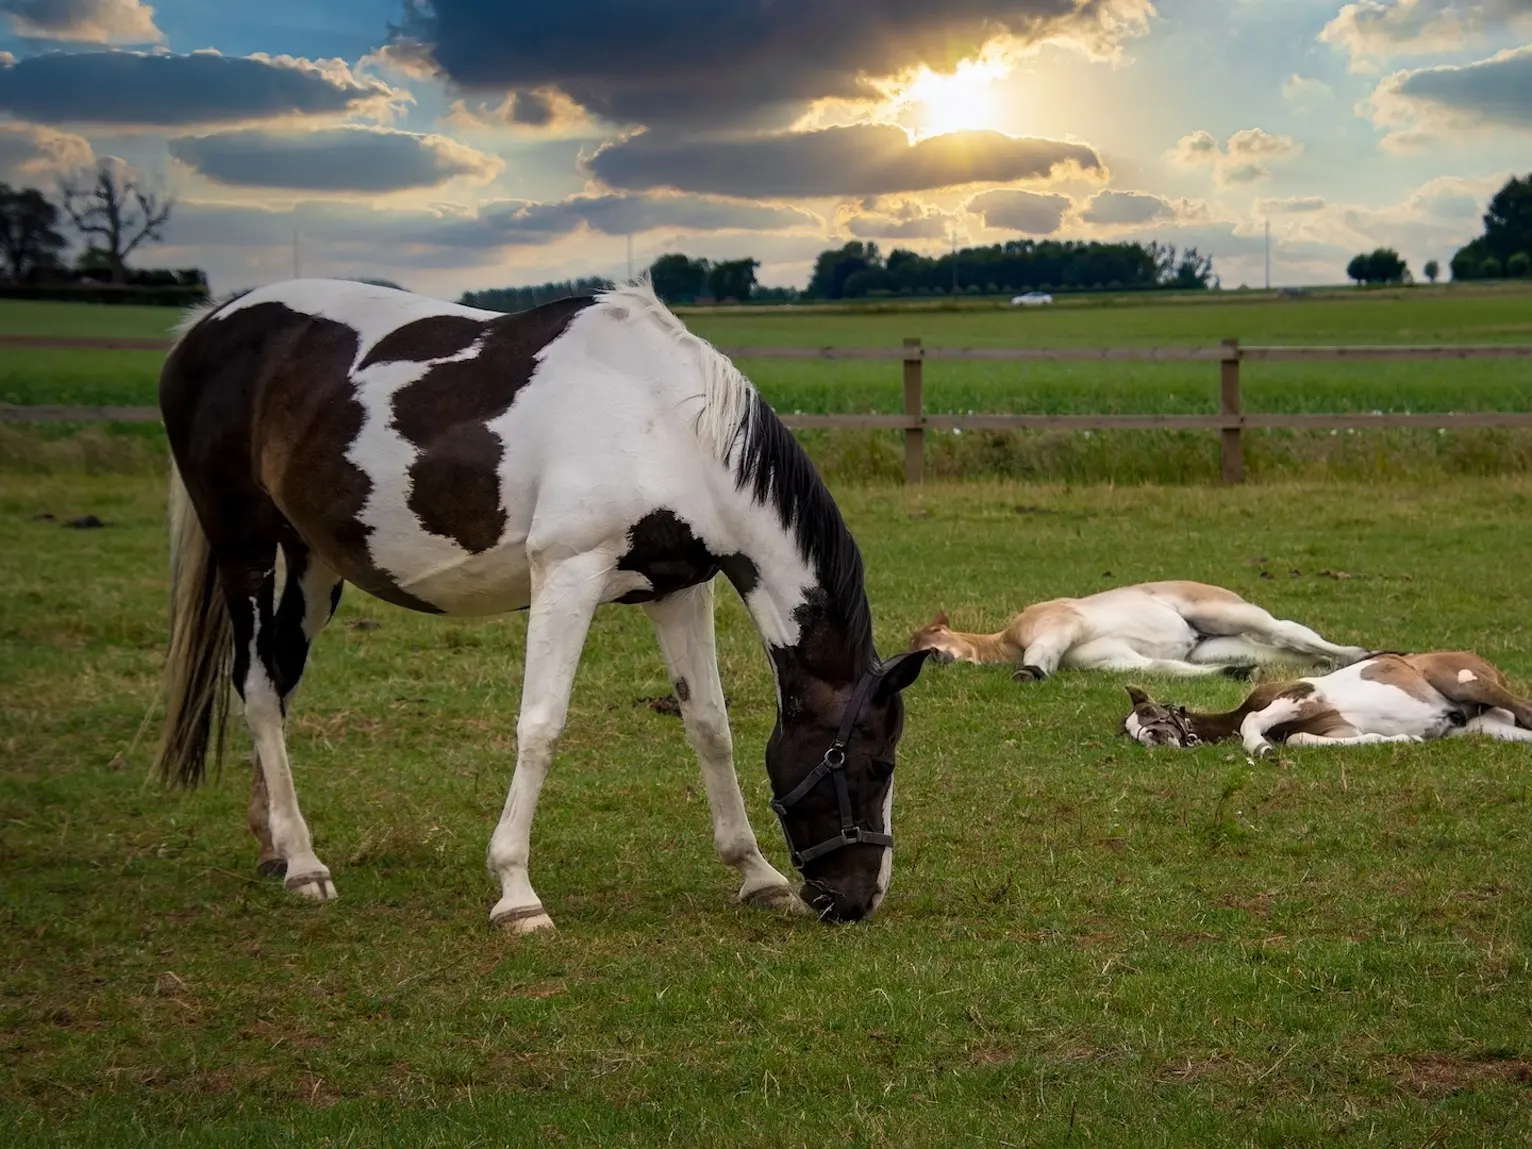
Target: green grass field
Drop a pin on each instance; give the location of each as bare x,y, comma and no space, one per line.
1456,315
1086,942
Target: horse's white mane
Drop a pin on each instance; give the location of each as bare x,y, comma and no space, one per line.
726,394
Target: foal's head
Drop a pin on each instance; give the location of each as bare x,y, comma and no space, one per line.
831,762
1155,724
937,637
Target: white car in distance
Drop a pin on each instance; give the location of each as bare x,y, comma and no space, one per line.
1031,299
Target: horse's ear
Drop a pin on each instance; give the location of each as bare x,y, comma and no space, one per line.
899,672
1138,696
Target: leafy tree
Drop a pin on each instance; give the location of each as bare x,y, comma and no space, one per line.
1432,270
734,279
1518,265
1380,266
1490,268
833,268
678,279
521,298
29,236
1507,230
115,214
1358,269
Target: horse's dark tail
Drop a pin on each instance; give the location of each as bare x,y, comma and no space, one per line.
201,649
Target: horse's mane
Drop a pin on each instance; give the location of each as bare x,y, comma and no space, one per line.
767,461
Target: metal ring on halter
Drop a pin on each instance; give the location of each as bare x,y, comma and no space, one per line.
833,765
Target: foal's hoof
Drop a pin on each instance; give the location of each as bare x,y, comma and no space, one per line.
272,868
316,886
525,920
1029,674
782,898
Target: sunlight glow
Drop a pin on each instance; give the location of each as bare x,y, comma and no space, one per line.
932,104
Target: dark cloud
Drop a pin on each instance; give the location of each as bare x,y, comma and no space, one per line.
432,237
887,227
165,90
1127,208
334,159
733,61
87,21
868,159
1031,213
1497,90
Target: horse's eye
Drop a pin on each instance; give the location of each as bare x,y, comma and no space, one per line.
882,767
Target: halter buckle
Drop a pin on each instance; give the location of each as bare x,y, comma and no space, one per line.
835,756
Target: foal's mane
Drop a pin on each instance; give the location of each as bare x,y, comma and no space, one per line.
742,430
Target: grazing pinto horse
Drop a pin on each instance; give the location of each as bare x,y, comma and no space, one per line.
1385,698
1183,628
464,462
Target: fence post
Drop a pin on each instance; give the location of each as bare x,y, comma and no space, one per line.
1229,404
914,407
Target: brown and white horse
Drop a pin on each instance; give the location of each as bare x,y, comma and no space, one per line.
464,462
1182,628
1384,698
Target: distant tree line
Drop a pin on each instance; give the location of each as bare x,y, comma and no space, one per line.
521,298
114,217
1381,266
859,270
1505,248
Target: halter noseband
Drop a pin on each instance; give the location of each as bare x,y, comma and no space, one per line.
833,765
1179,721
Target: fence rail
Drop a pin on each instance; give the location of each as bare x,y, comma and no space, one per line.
1230,421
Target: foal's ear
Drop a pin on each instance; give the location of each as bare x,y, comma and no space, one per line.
898,672
941,619
1138,696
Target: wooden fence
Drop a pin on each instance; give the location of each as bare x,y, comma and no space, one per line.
1230,421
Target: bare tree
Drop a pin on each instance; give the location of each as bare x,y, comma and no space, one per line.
115,214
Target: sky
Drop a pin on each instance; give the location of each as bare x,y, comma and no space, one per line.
453,145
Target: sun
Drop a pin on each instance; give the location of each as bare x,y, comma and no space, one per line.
933,103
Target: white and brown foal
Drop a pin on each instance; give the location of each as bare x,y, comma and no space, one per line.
1179,627
1384,698
463,462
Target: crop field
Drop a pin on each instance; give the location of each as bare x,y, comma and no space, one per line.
1455,315
1086,942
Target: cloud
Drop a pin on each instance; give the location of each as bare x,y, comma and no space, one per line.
1242,160
1031,213
334,159
1120,208
140,89
1429,104
83,21
517,221
1291,205
30,151
546,111
866,159
737,62
1373,30
893,218
1306,94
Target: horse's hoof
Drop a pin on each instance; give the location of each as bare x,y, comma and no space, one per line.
774,898
272,868
1029,674
524,920
316,886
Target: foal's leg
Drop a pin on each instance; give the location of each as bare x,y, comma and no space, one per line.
1119,654
1232,618
258,676
1236,650
309,598
1302,738
1495,723
684,625
564,597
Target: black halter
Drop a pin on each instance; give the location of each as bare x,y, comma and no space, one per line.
833,765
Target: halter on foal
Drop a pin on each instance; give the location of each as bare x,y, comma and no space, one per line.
464,462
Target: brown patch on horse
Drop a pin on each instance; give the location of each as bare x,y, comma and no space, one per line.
455,480
1470,681
1397,671
434,337
1191,591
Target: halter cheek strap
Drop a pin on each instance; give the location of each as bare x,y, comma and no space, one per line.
833,765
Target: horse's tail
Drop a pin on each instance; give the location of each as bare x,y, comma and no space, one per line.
201,649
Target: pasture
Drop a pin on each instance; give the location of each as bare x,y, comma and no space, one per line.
1085,942
1502,314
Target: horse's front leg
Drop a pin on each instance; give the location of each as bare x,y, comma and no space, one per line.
565,595
684,625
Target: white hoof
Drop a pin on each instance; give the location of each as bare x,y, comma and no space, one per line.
522,920
774,898
316,886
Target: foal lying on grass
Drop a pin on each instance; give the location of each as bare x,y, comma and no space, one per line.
1385,698
1182,628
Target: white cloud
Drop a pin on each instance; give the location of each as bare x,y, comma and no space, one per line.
1306,94
1243,159
33,152
1441,104
83,21
1370,31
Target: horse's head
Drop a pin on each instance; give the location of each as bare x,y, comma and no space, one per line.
831,762
1154,724
937,637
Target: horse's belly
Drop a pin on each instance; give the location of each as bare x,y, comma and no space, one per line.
1153,630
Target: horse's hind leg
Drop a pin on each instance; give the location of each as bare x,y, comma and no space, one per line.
1217,619
684,625
309,598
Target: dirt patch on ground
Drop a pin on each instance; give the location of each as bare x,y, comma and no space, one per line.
1441,1074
